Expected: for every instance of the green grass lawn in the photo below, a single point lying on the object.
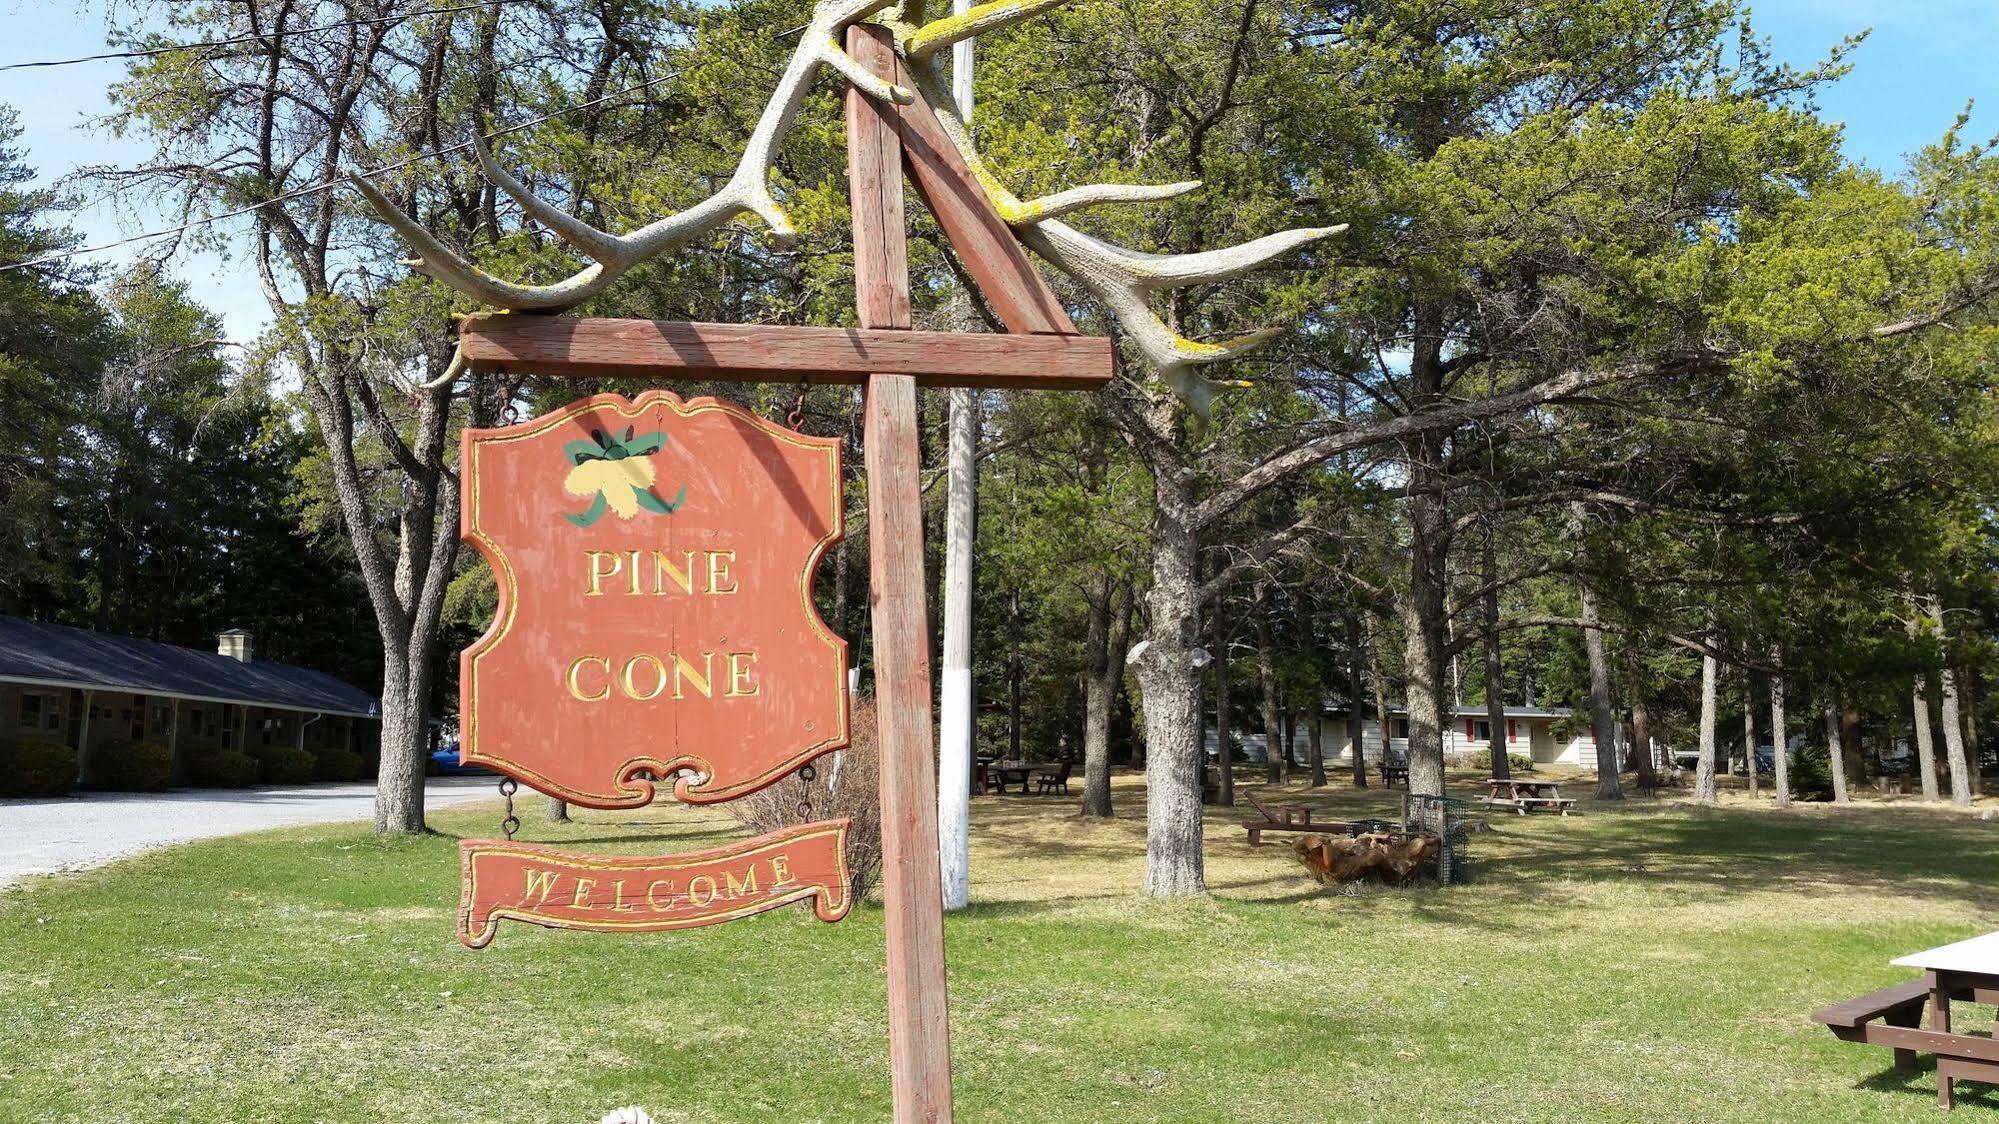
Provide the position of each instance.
(1643, 963)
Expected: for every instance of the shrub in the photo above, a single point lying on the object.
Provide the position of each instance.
(222, 768)
(1811, 773)
(36, 768)
(134, 766)
(848, 783)
(337, 765)
(1521, 762)
(282, 764)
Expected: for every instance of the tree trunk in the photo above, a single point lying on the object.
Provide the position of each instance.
(1603, 719)
(1013, 673)
(1276, 758)
(1641, 739)
(1926, 750)
(1356, 722)
(558, 810)
(1495, 683)
(1313, 708)
(1166, 674)
(1381, 719)
(1967, 705)
(1850, 748)
(1953, 741)
(1422, 613)
(1101, 673)
(954, 716)
(1834, 752)
(1780, 734)
(399, 781)
(1224, 749)
(1704, 787)
(1749, 729)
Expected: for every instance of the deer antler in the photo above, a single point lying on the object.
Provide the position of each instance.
(1119, 278)
(747, 190)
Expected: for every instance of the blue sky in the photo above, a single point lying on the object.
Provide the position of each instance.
(1923, 61)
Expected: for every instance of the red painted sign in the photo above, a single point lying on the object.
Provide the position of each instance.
(634, 893)
(654, 561)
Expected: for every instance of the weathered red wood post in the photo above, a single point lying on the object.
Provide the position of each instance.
(900, 123)
(919, 1025)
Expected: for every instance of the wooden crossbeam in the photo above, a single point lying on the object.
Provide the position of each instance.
(653, 349)
(1004, 273)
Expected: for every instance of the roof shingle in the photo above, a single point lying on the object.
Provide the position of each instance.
(54, 654)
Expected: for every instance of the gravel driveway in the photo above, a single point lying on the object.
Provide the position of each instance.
(78, 832)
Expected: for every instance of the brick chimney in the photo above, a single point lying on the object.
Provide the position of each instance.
(235, 644)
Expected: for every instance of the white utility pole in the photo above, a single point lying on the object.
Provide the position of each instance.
(954, 735)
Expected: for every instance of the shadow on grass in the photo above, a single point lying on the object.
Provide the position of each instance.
(1535, 862)
(1921, 1082)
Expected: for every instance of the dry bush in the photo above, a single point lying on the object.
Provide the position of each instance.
(848, 783)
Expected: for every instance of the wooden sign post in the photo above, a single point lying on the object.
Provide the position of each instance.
(1042, 351)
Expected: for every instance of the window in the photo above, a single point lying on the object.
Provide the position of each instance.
(1481, 731)
(163, 719)
(35, 709)
(1400, 728)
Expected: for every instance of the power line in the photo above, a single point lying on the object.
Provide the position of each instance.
(150, 52)
(299, 193)
(315, 189)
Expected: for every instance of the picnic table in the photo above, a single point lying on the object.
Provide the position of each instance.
(1524, 796)
(1892, 1017)
(997, 775)
(1285, 817)
(1394, 773)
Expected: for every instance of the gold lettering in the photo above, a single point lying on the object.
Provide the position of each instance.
(741, 667)
(541, 883)
(652, 896)
(747, 886)
(618, 898)
(684, 671)
(694, 890)
(718, 571)
(632, 575)
(597, 571)
(663, 571)
(780, 869)
(575, 672)
(581, 899)
(659, 678)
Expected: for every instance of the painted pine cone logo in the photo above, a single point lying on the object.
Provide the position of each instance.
(618, 474)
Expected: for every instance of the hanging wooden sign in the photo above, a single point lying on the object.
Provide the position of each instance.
(562, 889)
(654, 561)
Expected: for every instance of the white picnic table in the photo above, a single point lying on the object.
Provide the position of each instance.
(1894, 1016)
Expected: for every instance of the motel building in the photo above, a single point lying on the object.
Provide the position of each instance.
(88, 689)
(1543, 735)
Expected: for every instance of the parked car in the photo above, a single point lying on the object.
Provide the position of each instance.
(444, 762)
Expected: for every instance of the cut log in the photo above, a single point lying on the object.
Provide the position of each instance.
(1392, 860)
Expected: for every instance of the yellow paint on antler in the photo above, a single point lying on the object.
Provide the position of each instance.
(927, 40)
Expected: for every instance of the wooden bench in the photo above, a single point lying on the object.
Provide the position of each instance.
(1286, 817)
(1893, 1016)
(1898, 1006)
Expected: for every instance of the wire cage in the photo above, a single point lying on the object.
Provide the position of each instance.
(1443, 817)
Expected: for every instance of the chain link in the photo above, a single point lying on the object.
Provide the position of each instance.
(806, 775)
(796, 418)
(512, 822)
